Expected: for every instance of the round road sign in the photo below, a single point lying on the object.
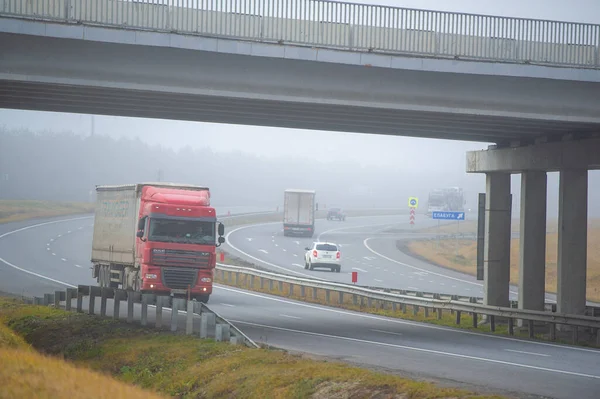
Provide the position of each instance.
(413, 202)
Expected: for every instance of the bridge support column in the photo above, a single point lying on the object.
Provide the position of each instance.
(532, 262)
(572, 241)
(497, 241)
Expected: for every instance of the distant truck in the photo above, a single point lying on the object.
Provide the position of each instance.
(156, 238)
(336, 213)
(451, 199)
(299, 213)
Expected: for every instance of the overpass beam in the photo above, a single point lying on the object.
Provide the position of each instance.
(532, 261)
(496, 260)
(572, 241)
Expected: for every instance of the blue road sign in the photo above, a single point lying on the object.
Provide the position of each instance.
(413, 202)
(448, 215)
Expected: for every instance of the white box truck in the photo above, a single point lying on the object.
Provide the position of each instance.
(299, 213)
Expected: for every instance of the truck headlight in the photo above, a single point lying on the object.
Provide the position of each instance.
(206, 279)
(151, 276)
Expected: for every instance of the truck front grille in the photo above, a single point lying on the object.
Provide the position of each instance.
(179, 278)
(177, 257)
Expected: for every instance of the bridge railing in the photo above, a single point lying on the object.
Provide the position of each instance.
(373, 297)
(340, 25)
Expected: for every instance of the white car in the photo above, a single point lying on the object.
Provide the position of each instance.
(323, 254)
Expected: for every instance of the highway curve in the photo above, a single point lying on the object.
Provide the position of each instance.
(366, 249)
(53, 254)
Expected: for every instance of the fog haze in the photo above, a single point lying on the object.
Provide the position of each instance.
(61, 156)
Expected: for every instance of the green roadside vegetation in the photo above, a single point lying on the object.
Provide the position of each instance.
(19, 210)
(47, 352)
(461, 255)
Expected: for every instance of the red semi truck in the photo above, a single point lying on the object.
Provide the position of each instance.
(156, 238)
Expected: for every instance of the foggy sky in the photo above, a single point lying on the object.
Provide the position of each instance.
(440, 162)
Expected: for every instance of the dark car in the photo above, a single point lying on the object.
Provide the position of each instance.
(336, 213)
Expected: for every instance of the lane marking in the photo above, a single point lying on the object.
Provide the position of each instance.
(295, 255)
(53, 254)
(228, 304)
(379, 281)
(298, 265)
(69, 232)
(7, 263)
(42, 224)
(527, 353)
(63, 259)
(284, 250)
(76, 265)
(290, 317)
(365, 243)
(386, 332)
(352, 314)
(262, 250)
(359, 269)
(422, 350)
(404, 322)
(249, 238)
(413, 288)
(260, 260)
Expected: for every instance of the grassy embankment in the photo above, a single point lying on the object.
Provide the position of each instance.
(19, 210)
(465, 258)
(51, 353)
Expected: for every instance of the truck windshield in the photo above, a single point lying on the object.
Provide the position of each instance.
(436, 200)
(182, 231)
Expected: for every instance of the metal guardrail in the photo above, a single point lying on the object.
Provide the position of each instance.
(340, 25)
(212, 325)
(436, 302)
(593, 311)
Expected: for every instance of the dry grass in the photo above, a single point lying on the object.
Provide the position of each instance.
(15, 211)
(464, 256)
(10, 340)
(185, 367)
(26, 374)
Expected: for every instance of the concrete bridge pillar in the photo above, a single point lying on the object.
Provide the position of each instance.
(572, 156)
(532, 243)
(572, 241)
(496, 261)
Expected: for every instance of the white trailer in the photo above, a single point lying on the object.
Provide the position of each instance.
(299, 212)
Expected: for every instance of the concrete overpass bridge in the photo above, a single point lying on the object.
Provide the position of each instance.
(531, 87)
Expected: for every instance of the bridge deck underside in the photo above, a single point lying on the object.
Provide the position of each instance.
(316, 116)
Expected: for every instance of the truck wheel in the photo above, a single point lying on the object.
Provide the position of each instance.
(203, 298)
(306, 265)
(338, 269)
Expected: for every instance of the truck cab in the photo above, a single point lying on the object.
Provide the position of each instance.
(174, 237)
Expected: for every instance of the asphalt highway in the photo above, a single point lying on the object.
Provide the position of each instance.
(366, 248)
(41, 256)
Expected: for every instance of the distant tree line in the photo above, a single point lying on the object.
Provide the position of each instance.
(65, 166)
